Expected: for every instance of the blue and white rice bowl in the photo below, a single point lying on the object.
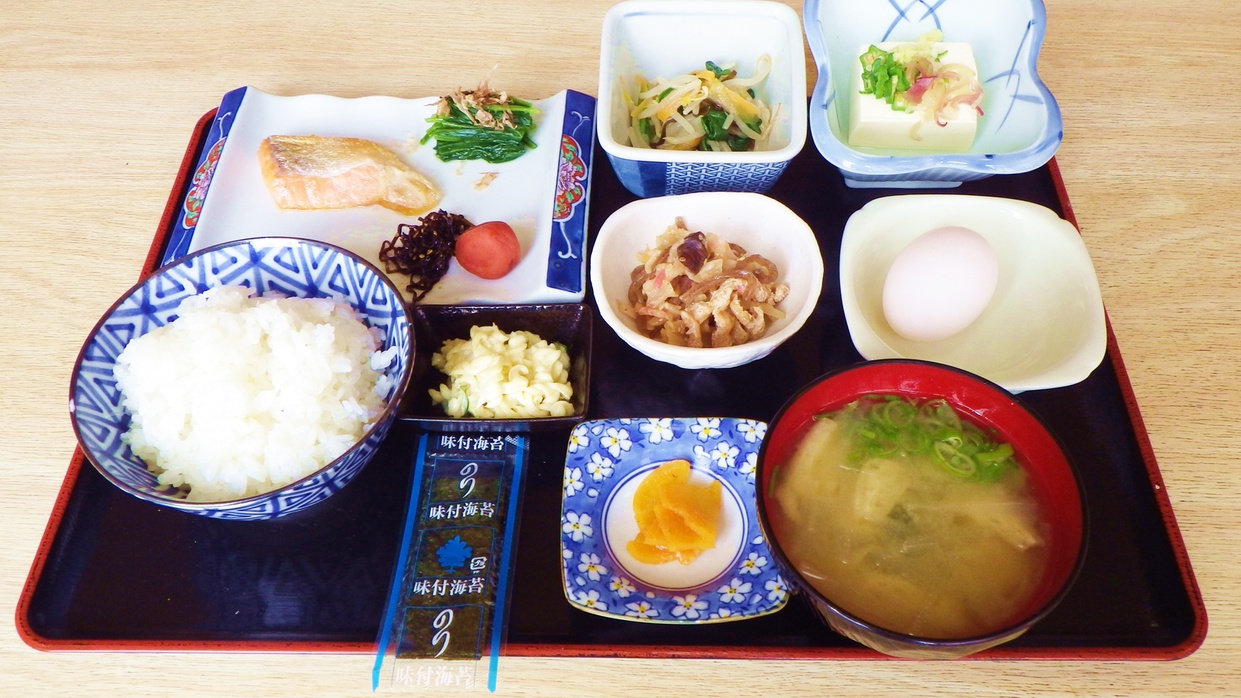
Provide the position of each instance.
(293, 267)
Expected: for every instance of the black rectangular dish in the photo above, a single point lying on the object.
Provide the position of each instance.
(116, 573)
(569, 324)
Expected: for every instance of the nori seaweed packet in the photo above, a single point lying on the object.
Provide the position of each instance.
(447, 611)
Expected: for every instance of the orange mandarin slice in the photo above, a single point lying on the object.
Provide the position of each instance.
(677, 519)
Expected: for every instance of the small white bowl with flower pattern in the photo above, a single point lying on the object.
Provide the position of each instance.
(606, 460)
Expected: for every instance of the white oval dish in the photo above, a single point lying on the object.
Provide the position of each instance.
(1045, 326)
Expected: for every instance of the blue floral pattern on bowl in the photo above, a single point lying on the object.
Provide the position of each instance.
(605, 461)
(287, 265)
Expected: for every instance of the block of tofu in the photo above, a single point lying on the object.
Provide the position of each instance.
(873, 123)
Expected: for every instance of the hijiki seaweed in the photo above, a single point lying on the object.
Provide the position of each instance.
(423, 250)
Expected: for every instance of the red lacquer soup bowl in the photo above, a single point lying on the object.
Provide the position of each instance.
(1052, 477)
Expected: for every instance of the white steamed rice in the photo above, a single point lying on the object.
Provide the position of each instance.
(241, 396)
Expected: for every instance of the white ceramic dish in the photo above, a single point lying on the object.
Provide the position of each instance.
(541, 194)
(606, 460)
(1044, 327)
(1021, 126)
(666, 38)
(756, 222)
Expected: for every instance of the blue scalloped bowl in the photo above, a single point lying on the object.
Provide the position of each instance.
(1020, 129)
(292, 266)
(606, 460)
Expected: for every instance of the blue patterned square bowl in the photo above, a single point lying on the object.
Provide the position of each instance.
(1020, 128)
(293, 267)
(661, 38)
(607, 459)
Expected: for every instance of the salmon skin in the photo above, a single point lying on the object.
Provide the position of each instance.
(325, 172)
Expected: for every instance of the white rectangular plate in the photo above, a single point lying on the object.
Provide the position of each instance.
(542, 194)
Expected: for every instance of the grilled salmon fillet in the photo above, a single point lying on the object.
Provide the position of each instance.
(322, 172)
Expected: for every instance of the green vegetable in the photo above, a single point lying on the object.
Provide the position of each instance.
(891, 425)
(713, 122)
(647, 129)
(738, 142)
(720, 73)
(882, 75)
(502, 134)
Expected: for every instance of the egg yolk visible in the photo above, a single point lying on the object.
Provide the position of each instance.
(677, 519)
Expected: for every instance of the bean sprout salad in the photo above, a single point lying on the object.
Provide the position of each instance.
(714, 109)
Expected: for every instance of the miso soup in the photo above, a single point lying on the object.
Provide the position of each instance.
(911, 518)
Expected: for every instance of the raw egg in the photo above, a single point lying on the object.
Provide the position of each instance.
(940, 283)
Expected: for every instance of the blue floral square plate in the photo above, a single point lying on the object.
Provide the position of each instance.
(606, 460)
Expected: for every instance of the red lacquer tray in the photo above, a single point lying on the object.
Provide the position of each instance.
(116, 573)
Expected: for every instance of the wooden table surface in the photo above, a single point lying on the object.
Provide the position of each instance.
(97, 102)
